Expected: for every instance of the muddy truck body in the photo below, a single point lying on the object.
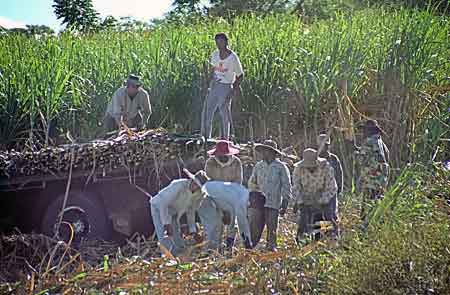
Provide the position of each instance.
(100, 188)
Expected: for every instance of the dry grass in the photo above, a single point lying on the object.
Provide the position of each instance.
(244, 272)
(415, 212)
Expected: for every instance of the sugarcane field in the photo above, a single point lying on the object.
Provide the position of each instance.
(225, 147)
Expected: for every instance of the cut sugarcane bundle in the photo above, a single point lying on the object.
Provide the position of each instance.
(125, 150)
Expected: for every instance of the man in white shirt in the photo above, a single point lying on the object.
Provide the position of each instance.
(226, 77)
(224, 202)
(181, 196)
(130, 104)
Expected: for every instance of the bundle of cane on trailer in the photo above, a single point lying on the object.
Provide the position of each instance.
(125, 150)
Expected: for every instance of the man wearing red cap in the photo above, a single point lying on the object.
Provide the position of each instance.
(224, 165)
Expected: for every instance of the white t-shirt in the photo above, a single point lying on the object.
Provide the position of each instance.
(231, 197)
(226, 70)
(177, 199)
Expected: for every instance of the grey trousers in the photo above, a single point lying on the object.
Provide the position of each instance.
(258, 219)
(308, 215)
(174, 244)
(217, 99)
(211, 218)
(331, 214)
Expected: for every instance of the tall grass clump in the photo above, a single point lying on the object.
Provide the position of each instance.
(406, 249)
(298, 76)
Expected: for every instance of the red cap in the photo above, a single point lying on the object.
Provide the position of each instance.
(223, 148)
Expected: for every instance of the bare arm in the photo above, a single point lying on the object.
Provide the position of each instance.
(212, 74)
(209, 168)
(145, 105)
(190, 216)
(116, 106)
(339, 176)
(386, 153)
(239, 173)
(238, 81)
(286, 187)
(330, 187)
(211, 63)
(239, 72)
(164, 198)
(239, 77)
(253, 181)
(297, 186)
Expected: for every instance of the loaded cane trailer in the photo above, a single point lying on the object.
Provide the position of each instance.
(107, 184)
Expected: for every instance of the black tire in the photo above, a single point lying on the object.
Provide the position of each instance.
(93, 213)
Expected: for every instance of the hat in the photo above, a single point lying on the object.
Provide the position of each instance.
(200, 177)
(372, 126)
(268, 145)
(323, 138)
(310, 159)
(223, 148)
(133, 80)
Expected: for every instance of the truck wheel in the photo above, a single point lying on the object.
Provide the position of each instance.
(84, 213)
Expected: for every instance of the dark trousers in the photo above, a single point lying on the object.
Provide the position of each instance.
(306, 218)
(309, 215)
(259, 218)
(330, 213)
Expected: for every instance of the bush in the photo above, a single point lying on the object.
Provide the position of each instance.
(407, 247)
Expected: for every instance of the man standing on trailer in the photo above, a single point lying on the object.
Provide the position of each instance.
(226, 77)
